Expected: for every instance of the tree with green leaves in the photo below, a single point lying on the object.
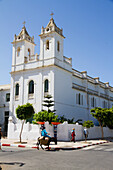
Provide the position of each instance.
(88, 124)
(100, 114)
(23, 113)
(63, 118)
(44, 116)
(109, 118)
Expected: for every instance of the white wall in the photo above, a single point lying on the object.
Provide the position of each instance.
(32, 132)
(23, 78)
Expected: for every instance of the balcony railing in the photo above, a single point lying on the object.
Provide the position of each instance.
(31, 58)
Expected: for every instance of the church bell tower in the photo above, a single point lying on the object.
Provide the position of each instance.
(23, 48)
(51, 42)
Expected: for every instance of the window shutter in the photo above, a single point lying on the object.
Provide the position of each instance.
(106, 105)
(95, 103)
(103, 104)
(91, 102)
(81, 99)
(77, 98)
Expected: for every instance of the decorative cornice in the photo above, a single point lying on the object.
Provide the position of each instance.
(51, 65)
(46, 34)
(14, 42)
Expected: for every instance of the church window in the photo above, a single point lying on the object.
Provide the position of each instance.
(28, 52)
(7, 97)
(93, 102)
(79, 99)
(58, 46)
(104, 104)
(46, 85)
(18, 51)
(47, 45)
(17, 89)
(31, 87)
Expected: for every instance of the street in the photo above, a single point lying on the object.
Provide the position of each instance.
(91, 158)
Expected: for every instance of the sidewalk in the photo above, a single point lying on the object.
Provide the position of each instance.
(59, 146)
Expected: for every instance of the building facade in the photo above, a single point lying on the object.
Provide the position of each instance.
(4, 106)
(33, 76)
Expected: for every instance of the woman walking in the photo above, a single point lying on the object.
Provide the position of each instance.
(73, 135)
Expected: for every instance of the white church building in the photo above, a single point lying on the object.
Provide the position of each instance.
(33, 76)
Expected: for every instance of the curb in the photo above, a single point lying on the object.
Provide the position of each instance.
(76, 148)
(54, 148)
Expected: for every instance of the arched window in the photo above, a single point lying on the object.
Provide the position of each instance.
(17, 89)
(47, 45)
(28, 52)
(46, 85)
(31, 87)
(18, 51)
(58, 46)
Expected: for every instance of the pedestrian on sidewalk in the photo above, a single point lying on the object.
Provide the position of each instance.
(0, 136)
(73, 135)
(86, 133)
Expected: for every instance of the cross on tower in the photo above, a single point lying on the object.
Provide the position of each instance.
(24, 23)
(52, 14)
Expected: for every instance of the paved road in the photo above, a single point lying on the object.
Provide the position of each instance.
(99, 157)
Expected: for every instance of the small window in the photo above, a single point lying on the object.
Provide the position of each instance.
(6, 113)
(58, 46)
(28, 52)
(17, 89)
(47, 29)
(46, 85)
(7, 97)
(79, 99)
(31, 87)
(18, 51)
(47, 45)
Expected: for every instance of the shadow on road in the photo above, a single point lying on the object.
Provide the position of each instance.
(12, 163)
(6, 151)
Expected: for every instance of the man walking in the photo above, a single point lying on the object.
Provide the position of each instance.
(85, 133)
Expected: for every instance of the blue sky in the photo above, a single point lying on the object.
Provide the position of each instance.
(87, 26)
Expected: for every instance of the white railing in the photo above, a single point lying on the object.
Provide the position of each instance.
(102, 84)
(90, 79)
(31, 58)
(67, 60)
(76, 86)
(77, 73)
(93, 92)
